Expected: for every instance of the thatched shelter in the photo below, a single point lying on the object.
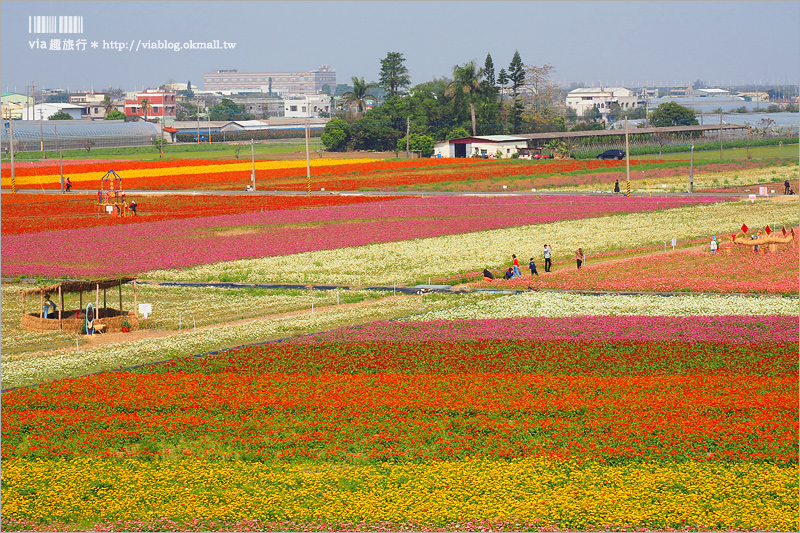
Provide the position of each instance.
(106, 319)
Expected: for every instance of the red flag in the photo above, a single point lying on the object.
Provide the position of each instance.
(768, 229)
(744, 228)
(733, 236)
(784, 231)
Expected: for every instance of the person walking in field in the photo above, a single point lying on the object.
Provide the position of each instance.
(547, 263)
(515, 264)
(714, 244)
(579, 257)
(786, 187)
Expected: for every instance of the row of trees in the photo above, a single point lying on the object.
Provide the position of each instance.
(475, 100)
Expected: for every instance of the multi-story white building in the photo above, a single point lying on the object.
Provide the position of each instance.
(587, 97)
(310, 106)
(283, 84)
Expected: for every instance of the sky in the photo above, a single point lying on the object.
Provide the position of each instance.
(598, 43)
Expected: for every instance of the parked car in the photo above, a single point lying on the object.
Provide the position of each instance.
(612, 154)
(542, 156)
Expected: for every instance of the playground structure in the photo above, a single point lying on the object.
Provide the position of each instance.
(90, 319)
(111, 195)
(765, 243)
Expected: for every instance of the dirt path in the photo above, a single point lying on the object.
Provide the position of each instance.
(96, 341)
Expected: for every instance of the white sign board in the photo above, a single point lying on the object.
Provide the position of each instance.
(145, 309)
(109, 209)
(762, 191)
(674, 242)
(752, 198)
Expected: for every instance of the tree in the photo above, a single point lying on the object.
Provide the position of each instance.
(60, 115)
(59, 98)
(672, 114)
(336, 135)
(87, 144)
(227, 109)
(516, 76)
(417, 143)
(359, 96)
(115, 114)
(502, 81)
(189, 85)
(591, 114)
(326, 89)
(457, 133)
(146, 107)
(372, 132)
(394, 74)
(108, 105)
(467, 81)
(490, 108)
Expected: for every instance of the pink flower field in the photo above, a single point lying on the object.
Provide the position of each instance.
(131, 249)
(731, 270)
(599, 328)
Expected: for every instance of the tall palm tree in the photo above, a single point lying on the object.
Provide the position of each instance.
(467, 80)
(146, 107)
(108, 104)
(359, 96)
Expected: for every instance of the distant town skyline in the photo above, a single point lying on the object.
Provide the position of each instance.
(135, 45)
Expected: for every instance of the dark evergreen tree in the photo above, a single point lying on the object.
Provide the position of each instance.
(516, 76)
(394, 74)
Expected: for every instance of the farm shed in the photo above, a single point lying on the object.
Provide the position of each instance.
(482, 146)
(106, 318)
(78, 134)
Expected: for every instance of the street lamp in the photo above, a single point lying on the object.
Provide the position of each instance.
(691, 170)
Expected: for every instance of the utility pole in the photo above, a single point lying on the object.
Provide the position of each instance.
(627, 158)
(11, 151)
(253, 160)
(691, 171)
(61, 168)
(308, 163)
(408, 130)
(720, 136)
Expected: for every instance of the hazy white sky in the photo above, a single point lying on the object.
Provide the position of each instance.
(601, 43)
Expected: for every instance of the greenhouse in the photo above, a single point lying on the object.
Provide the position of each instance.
(30, 136)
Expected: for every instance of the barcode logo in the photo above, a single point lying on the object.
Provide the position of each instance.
(55, 24)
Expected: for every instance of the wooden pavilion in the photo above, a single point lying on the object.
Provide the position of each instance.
(106, 319)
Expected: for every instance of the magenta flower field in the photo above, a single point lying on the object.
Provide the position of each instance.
(734, 329)
(131, 249)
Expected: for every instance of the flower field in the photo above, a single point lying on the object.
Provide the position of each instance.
(352, 174)
(732, 270)
(414, 261)
(32, 213)
(499, 425)
(206, 240)
(253, 409)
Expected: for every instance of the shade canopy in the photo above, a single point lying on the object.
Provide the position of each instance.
(78, 286)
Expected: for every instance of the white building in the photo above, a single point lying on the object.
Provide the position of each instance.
(483, 146)
(587, 97)
(310, 106)
(44, 111)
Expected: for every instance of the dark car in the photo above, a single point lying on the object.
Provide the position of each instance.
(612, 154)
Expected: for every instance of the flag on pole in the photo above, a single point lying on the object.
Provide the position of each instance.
(784, 231)
(768, 229)
(744, 228)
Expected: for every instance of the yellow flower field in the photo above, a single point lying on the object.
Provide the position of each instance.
(50, 177)
(693, 494)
